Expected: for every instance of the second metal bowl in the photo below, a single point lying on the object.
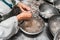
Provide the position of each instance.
(47, 10)
(54, 24)
(57, 35)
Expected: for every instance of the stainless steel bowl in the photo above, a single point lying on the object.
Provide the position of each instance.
(54, 24)
(52, 1)
(33, 33)
(57, 35)
(47, 10)
(57, 4)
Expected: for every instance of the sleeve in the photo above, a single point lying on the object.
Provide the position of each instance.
(15, 2)
(8, 28)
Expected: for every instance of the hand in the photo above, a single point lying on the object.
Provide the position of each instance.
(23, 7)
(24, 16)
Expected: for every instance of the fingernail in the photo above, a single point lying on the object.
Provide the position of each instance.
(28, 8)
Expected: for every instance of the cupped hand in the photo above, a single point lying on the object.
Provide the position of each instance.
(24, 16)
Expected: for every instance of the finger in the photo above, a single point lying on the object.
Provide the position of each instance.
(25, 6)
(19, 5)
(21, 9)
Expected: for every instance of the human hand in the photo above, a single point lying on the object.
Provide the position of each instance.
(24, 16)
(23, 7)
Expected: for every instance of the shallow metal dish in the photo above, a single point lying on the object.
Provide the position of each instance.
(41, 29)
(54, 24)
(47, 10)
(57, 35)
(57, 4)
(52, 1)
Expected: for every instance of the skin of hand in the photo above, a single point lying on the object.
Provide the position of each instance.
(23, 7)
(26, 14)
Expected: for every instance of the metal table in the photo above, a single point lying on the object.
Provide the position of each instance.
(21, 36)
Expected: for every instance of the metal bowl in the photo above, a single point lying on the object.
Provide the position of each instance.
(57, 4)
(23, 27)
(52, 1)
(57, 35)
(47, 10)
(54, 24)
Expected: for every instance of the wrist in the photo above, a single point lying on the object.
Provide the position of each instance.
(19, 18)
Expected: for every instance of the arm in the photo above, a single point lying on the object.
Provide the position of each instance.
(10, 27)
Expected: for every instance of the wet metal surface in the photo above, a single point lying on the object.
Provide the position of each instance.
(21, 36)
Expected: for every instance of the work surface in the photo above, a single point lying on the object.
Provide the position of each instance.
(21, 36)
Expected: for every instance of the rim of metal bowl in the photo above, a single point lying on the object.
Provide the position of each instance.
(51, 1)
(52, 32)
(55, 37)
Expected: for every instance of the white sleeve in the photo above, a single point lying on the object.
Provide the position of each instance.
(17, 1)
(8, 28)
